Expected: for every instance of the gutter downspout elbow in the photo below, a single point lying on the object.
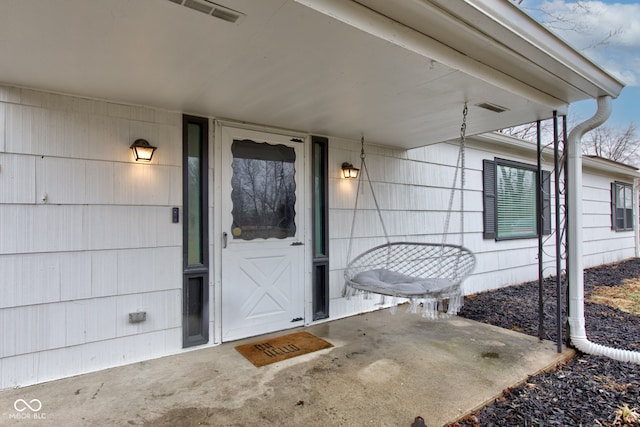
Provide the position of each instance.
(575, 267)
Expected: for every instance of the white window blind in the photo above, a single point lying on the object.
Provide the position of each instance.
(516, 202)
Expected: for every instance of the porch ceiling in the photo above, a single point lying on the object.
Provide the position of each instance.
(330, 67)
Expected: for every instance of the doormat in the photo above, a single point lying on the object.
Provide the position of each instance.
(276, 349)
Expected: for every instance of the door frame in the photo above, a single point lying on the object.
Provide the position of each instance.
(215, 157)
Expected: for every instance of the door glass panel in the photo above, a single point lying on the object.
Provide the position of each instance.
(195, 305)
(263, 190)
(194, 193)
(319, 183)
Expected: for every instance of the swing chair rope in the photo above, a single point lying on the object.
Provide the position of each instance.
(426, 272)
(364, 171)
(460, 166)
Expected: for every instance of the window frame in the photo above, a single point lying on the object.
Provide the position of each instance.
(320, 219)
(490, 199)
(195, 286)
(626, 218)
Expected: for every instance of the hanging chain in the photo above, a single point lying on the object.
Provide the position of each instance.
(463, 128)
(460, 165)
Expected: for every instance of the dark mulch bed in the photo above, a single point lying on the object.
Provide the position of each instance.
(587, 390)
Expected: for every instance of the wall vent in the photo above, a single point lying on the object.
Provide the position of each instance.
(492, 107)
(212, 9)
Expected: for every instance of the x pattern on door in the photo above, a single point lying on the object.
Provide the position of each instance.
(268, 275)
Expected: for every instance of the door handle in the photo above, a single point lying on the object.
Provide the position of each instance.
(297, 244)
(224, 239)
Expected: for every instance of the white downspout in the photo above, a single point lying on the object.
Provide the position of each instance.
(575, 268)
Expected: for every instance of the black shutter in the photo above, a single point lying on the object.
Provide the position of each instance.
(546, 202)
(489, 198)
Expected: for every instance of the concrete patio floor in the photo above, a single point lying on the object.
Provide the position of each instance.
(384, 370)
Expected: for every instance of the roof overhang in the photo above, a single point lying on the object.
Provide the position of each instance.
(398, 72)
(506, 143)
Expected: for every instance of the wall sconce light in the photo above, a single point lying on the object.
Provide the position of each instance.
(348, 171)
(142, 150)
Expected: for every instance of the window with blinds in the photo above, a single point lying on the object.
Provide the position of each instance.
(515, 202)
(511, 196)
(621, 206)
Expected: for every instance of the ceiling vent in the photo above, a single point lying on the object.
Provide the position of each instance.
(492, 107)
(212, 9)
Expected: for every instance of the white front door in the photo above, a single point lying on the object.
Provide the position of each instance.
(262, 228)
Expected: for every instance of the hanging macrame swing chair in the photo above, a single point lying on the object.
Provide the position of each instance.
(428, 274)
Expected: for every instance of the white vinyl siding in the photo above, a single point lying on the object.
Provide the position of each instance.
(601, 243)
(86, 235)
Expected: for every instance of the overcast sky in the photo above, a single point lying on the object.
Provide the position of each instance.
(607, 32)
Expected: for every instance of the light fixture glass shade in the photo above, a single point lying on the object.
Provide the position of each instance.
(348, 171)
(142, 150)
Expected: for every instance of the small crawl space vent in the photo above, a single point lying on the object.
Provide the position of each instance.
(212, 9)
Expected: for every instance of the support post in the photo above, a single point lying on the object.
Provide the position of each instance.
(540, 225)
(556, 171)
(567, 225)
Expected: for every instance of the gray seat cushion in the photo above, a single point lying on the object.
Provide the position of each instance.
(388, 282)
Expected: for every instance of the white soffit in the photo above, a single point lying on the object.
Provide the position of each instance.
(282, 64)
(389, 29)
(491, 40)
